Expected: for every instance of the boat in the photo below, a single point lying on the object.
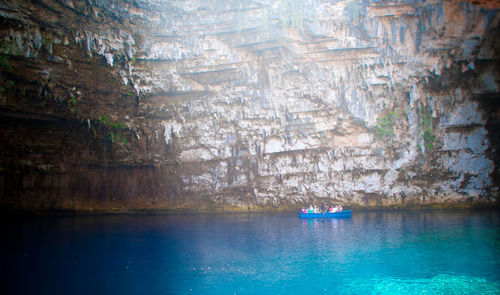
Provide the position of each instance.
(341, 214)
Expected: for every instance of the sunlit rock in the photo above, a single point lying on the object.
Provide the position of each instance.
(240, 105)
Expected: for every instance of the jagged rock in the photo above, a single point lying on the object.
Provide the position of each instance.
(248, 105)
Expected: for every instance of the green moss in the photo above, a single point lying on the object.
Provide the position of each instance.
(72, 104)
(429, 140)
(115, 130)
(4, 62)
(385, 125)
(425, 122)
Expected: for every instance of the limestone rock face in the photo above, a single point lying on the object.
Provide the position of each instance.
(248, 105)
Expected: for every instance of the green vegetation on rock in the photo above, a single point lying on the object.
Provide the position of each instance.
(4, 58)
(4, 62)
(72, 104)
(425, 122)
(115, 130)
(385, 125)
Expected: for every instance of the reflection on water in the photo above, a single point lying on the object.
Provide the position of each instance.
(332, 223)
(372, 252)
(439, 284)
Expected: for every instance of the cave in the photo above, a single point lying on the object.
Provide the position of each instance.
(249, 147)
(225, 105)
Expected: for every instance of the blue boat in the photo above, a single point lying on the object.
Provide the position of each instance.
(341, 214)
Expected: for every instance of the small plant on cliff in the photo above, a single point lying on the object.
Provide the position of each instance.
(426, 125)
(4, 58)
(115, 130)
(429, 140)
(72, 103)
(10, 84)
(385, 125)
(4, 62)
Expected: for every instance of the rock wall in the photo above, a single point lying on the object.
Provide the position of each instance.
(248, 105)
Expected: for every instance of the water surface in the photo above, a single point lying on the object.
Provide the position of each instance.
(434, 252)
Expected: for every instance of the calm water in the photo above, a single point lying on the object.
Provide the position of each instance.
(433, 252)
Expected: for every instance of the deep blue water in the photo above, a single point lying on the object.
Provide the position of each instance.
(433, 252)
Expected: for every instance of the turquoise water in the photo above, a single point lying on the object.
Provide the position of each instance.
(422, 252)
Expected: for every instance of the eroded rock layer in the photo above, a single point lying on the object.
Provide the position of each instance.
(248, 105)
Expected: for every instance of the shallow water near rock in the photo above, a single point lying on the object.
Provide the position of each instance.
(409, 252)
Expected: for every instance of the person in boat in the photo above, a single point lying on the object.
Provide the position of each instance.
(332, 209)
(340, 208)
(310, 209)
